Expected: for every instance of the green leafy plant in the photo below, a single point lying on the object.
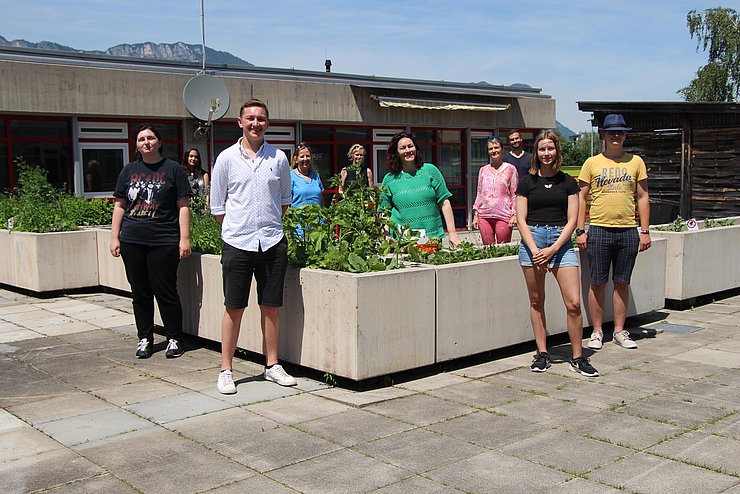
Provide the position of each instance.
(37, 206)
(710, 223)
(348, 235)
(677, 225)
(465, 251)
(205, 232)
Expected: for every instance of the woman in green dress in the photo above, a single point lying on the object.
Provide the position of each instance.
(414, 192)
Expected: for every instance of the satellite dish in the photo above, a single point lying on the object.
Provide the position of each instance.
(206, 98)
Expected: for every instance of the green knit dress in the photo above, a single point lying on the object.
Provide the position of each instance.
(415, 198)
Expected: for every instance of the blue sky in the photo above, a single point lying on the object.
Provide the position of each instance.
(598, 50)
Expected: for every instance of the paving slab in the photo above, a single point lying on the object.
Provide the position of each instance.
(546, 411)
(402, 450)
(716, 357)
(106, 483)
(18, 335)
(344, 428)
(93, 426)
(699, 448)
(45, 470)
(479, 394)
(583, 454)
(708, 392)
(60, 407)
(24, 442)
(138, 391)
(623, 430)
(256, 483)
(231, 424)
(432, 382)
(532, 382)
(486, 429)
(9, 422)
(672, 366)
(634, 378)
(416, 484)
(493, 367)
(297, 408)
(361, 399)
(672, 409)
(340, 472)
(598, 394)
(150, 459)
(650, 474)
(493, 471)
(579, 486)
(274, 448)
(727, 427)
(176, 407)
(420, 409)
(36, 388)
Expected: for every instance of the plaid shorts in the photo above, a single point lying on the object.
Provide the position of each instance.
(614, 248)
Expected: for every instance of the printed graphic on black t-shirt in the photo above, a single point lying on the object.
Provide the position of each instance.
(143, 190)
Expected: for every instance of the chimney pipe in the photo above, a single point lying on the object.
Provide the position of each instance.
(327, 64)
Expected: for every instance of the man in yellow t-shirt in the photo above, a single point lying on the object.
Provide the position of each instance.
(612, 178)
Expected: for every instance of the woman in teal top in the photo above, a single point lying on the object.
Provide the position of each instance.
(415, 191)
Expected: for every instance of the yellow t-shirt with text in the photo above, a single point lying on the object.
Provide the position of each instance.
(613, 186)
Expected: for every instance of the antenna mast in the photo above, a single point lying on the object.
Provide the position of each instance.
(203, 35)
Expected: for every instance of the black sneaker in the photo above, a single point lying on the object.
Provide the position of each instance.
(174, 349)
(583, 367)
(145, 348)
(540, 362)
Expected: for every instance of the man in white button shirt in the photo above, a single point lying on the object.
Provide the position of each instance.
(250, 191)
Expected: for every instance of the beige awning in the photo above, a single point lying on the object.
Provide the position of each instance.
(433, 104)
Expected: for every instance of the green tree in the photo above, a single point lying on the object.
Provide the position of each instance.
(718, 31)
(576, 152)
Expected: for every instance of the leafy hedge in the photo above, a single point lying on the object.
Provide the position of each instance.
(39, 207)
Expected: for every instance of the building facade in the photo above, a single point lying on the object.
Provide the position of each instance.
(74, 114)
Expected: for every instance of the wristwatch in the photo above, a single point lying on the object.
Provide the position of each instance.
(644, 232)
(580, 231)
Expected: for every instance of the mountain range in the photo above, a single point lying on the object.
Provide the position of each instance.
(182, 52)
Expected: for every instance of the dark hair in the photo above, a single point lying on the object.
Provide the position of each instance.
(298, 148)
(254, 102)
(514, 131)
(186, 161)
(546, 134)
(143, 127)
(394, 164)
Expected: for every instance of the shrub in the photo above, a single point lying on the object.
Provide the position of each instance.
(38, 207)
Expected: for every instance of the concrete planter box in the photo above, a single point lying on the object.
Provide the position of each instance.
(111, 271)
(43, 262)
(483, 305)
(701, 262)
(352, 325)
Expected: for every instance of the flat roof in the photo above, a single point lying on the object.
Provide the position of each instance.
(96, 60)
(658, 106)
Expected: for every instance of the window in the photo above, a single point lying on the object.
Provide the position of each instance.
(101, 164)
(45, 142)
(102, 130)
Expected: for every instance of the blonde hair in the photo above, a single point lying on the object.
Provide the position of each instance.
(544, 135)
(294, 160)
(353, 149)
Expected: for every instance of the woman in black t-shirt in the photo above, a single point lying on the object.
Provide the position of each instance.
(151, 232)
(547, 211)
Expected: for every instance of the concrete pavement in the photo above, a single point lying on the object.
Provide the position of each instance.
(78, 413)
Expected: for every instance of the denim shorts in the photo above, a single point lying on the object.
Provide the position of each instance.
(545, 236)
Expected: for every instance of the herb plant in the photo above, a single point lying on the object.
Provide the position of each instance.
(710, 223)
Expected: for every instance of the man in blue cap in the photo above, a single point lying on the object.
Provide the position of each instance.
(613, 177)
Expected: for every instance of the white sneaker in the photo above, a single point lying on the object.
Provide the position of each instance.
(225, 384)
(596, 341)
(278, 375)
(622, 338)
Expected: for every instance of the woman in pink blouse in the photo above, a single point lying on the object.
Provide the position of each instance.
(495, 204)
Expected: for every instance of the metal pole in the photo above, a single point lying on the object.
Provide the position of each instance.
(203, 34)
